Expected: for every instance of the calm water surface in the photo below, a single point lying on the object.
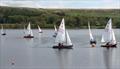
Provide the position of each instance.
(37, 53)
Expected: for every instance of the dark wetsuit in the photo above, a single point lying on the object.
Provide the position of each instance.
(60, 44)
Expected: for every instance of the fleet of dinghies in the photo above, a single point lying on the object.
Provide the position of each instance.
(62, 38)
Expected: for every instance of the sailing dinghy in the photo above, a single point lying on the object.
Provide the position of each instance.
(108, 37)
(62, 40)
(55, 34)
(40, 31)
(29, 33)
(92, 40)
(2, 31)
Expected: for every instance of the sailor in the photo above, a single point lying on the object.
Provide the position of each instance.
(59, 44)
(108, 43)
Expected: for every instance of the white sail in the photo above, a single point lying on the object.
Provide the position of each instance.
(29, 31)
(62, 35)
(109, 35)
(68, 40)
(55, 33)
(39, 29)
(60, 38)
(108, 30)
(90, 33)
(113, 40)
(55, 28)
(102, 40)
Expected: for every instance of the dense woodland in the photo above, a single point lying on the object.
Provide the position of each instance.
(12, 17)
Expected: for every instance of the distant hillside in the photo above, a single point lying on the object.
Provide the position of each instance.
(74, 18)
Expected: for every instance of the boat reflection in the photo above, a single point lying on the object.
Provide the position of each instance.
(64, 58)
(107, 54)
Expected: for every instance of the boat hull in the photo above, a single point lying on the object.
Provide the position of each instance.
(63, 47)
(109, 46)
(4, 34)
(54, 35)
(40, 32)
(28, 36)
(93, 42)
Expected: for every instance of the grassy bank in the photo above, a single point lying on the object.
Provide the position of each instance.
(46, 18)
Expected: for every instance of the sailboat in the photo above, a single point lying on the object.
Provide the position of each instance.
(2, 31)
(63, 39)
(92, 40)
(40, 31)
(29, 33)
(109, 36)
(55, 34)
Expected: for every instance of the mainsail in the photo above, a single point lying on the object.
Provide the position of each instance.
(60, 38)
(39, 29)
(2, 30)
(62, 35)
(102, 40)
(109, 35)
(68, 40)
(55, 28)
(90, 33)
(29, 31)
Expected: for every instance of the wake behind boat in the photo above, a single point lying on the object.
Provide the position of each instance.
(108, 37)
(62, 40)
(92, 40)
(29, 33)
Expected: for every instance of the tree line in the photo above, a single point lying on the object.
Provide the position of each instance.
(13, 17)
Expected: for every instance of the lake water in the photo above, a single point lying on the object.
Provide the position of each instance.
(37, 53)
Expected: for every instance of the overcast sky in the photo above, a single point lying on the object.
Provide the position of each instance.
(77, 4)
